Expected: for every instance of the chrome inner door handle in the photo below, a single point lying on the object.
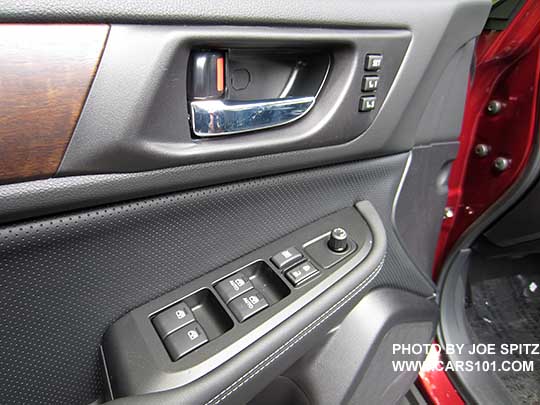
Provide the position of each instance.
(227, 117)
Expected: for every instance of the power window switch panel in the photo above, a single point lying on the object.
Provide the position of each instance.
(185, 340)
(373, 62)
(247, 305)
(287, 258)
(233, 286)
(367, 103)
(172, 319)
(301, 273)
(370, 83)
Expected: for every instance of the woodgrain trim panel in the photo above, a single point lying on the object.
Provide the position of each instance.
(45, 75)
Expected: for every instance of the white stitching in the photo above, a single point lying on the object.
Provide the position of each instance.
(295, 339)
(299, 336)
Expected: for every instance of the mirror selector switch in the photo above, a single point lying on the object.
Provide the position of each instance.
(287, 258)
(185, 340)
(233, 286)
(301, 273)
(338, 241)
(248, 304)
(172, 319)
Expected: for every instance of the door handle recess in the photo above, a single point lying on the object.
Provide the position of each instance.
(237, 90)
(227, 117)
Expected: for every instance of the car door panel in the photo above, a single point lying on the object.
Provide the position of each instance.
(140, 209)
(101, 263)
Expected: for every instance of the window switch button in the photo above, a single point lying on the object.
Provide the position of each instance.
(301, 273)
(287, 258)
(248, 304)
(185, 340)
(233, 286)
(172, 319)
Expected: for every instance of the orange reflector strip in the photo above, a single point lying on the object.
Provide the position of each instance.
(220, 75)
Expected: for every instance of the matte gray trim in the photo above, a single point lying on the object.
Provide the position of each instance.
(281, 391)
(443, 116)
(348, 354)
(136, 118)
(281, 12)
(419, 203)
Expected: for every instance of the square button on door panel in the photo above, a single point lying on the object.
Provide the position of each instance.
(287, 258)
(370, 83)
(373, 62)
(367, 103)
(248, 304)
(301, 273)
(233, 286)
(172, 319)
(185, 340)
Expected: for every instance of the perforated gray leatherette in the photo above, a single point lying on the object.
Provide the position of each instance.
(66, 279)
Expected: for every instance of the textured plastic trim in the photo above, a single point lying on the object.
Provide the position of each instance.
(159, 373)
(139, 121)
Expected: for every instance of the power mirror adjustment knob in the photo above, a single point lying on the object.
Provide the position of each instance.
(338, 241)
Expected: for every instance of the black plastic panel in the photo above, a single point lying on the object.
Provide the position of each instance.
(266, 281)
(277, 349)
(520, 224)
(209, 313)
(156, 371)
(255, 74)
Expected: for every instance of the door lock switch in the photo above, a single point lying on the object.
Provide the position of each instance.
(172, 319)
(301, 273)
(233, 286)
(185, 340)
(287, 258)
(247, 305)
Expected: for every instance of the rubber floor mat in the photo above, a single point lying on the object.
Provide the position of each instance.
(504, 308)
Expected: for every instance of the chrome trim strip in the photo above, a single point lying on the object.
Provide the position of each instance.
(290, 82)
(224, 117)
